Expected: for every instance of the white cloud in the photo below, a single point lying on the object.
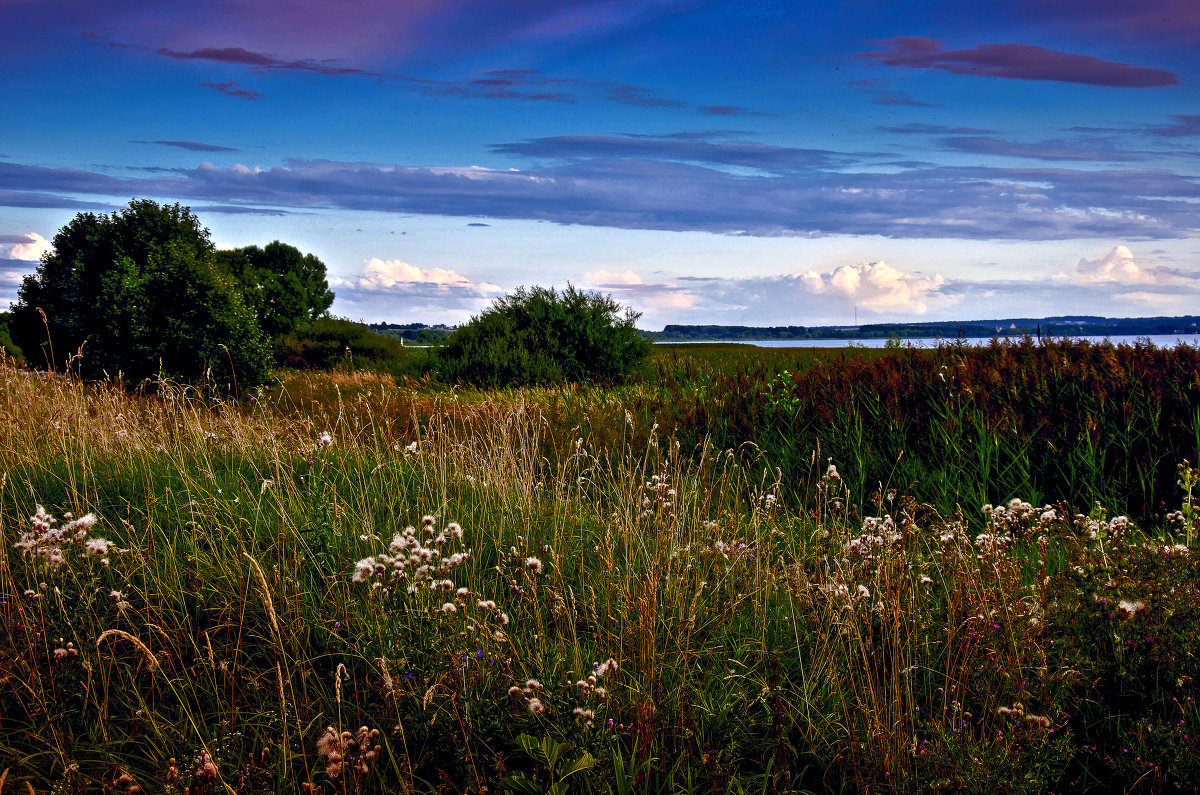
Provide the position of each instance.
(1119, 266)
(29, 247)
(655, 301)
(874, 285)
(391, 274)
(396, 291)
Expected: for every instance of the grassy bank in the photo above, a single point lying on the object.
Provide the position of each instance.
(701, 606)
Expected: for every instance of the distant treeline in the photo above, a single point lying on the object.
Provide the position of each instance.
(413, 332)
(1062, 326)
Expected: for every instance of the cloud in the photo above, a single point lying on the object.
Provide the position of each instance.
(812, 297)
(392, 288)
(387, 274)
(1019, 62)
(1185, 126)
(917, 128)
(1162, 21)
(729, 110)
(876, 286)
(652, 299)
(12, 273)
(27, 248)
(680, 147)
(258, 60)
(191, 146)
(231, 89)
(783, 198)
(1042, 150)
(1119, 267)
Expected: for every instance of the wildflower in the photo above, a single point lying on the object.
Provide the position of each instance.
(1130, 609)
(363, 570)
(863, 592)
(97, 546)
(449, 608)
(533, 564)
(536, 707)
(603, 668)
(329, 742)
(324, 440)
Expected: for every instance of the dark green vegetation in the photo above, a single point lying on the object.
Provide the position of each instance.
(542, 336)
(329, 342)
(138, 292)
(955, 425)
(772, 625)
(282, 286)
(142, 292)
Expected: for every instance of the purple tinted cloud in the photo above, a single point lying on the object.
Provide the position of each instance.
(738, 153)
(191, 146)
(918, 128)
(243, 57)
(1185, 126)
(1019, 62)
(231, 89)
(729, 110)
(1043, 150)
(1166, 21)
(628, 193)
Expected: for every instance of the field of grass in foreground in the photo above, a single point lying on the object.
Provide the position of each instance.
(234, 604)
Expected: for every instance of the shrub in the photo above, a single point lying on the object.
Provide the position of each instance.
(328, 341)
(138, 292)
(541, 336)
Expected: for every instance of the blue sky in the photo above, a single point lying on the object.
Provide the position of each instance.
(759, 162)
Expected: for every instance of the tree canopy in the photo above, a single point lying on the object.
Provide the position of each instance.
(138, 291)
(540, 335)
(283, 286)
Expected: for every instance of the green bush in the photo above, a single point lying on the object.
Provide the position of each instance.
(328, 341)
(138, 292)
(542, 336)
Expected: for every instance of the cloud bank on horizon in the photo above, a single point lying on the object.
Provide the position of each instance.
(702, 161)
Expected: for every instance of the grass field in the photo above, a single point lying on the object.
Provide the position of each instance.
(746, 570)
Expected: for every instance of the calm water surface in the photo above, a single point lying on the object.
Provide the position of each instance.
(1158, 340)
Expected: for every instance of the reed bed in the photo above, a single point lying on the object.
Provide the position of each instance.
(349, 583)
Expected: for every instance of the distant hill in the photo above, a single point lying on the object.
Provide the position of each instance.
(1059, 326)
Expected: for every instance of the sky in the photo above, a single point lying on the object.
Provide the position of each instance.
(758, 162)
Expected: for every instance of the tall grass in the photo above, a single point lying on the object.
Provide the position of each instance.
(623, 610)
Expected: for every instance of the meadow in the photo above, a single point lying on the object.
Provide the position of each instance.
(745, 570)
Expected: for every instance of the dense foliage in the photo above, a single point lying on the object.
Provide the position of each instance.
(542, 336)
(138, 292)
(282, 285)
(955, 425)
(326, 342)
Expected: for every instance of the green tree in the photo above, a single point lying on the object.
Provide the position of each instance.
(540, 335)
(138, 291)
(283, 286)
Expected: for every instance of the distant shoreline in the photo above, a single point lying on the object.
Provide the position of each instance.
(1076, 326)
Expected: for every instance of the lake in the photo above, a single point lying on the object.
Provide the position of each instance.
(1158, 340)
